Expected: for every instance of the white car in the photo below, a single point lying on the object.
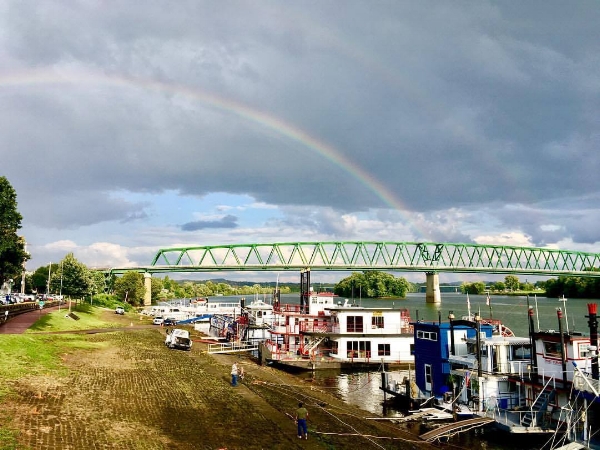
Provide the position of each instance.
(158, 320)
(120, 310)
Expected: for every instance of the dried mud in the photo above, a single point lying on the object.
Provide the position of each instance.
(133, 393)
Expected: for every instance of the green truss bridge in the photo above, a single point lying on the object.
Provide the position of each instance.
(429, 257)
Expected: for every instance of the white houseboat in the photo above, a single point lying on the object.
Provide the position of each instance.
(323, 333)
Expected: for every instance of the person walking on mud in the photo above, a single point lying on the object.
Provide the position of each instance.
(234, 374)
(301, 418)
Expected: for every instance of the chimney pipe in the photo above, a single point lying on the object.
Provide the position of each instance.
(563, 352)
(593, 324)
(532, 352)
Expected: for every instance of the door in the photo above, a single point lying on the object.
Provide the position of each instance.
(428, 380)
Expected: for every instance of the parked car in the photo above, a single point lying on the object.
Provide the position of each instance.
(120, 310)
(158, 320)
(169, 321)
(178, 339)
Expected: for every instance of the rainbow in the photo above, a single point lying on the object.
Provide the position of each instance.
(326, 151)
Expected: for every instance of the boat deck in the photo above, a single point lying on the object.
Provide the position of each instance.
(510, 421)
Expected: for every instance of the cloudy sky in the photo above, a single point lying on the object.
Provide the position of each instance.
(127, 127)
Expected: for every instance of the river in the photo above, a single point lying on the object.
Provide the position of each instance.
(362, 388)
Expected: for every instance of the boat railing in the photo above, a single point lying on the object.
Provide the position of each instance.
(582, 381)
(508, 417)
(317, 326)
(289, 308)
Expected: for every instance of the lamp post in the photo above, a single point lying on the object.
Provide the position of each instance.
(48, 284)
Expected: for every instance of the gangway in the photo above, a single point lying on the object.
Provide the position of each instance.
(455, 427)
(232, 347)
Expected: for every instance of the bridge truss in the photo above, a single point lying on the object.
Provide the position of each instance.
(384, 256)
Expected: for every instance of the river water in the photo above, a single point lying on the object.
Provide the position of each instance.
(362, 388)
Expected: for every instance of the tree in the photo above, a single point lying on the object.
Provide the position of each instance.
(39, 279)
(477, 287)
(130, 288)
(156, 289)
(372, 284)
(498, 286)
(77, 279)
(512, 282)
(12, 246)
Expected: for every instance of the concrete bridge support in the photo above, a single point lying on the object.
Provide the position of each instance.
(147, 289)
(432, 291)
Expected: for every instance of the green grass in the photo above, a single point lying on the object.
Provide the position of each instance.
(34, 353)
(8, 439)
(59, 321)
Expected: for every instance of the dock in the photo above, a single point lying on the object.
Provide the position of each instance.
(455, 427)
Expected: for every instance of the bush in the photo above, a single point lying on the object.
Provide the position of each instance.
(109, 301)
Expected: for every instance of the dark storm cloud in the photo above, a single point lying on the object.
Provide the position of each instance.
(228, 221)
(427, 106)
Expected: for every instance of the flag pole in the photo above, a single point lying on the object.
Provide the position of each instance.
(469, 307)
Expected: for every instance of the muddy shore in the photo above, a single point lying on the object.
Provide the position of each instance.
(131, 392)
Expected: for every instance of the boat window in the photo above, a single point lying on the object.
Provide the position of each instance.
(428, 335)
(552, 349)
(383, 350)
(358, 349)
(520, 352)
(377, 322)
(354, 324)
(584, 350)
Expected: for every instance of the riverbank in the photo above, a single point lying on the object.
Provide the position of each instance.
(123, 389)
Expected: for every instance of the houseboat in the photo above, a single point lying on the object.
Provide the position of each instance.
(252, 325)
(322, 332)
(538, 384)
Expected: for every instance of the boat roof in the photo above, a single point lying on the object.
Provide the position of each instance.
(496, 339)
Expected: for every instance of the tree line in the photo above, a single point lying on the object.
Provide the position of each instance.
(511, 283)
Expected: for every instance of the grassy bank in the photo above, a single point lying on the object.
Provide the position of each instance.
(35, 354)
(123, 389)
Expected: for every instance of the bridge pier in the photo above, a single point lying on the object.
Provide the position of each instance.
(147, 289)
(432, 291)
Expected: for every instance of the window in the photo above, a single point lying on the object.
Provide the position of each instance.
(358, 349)
(377, 322)
(428, 335)
(521, 352)
(584, 350)
(552, 349)
(383, 350)
(354, 324)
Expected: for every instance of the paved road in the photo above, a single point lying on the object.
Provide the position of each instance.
(18, 324)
